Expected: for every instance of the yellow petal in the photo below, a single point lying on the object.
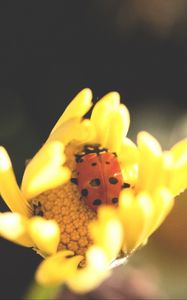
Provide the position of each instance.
(163, 202)
(45, 234)
(77, 108)
(87, 132)
(129, 153)
(148, 143)
(130, 174)
(129, 158)
(150, 161)
(73, 129)
(179, 153)
(97, 258)
(165, 172)
(107, 232)
(178, 175)
(58, 268)
(96, 270)
(117, 128)
(102, 114)
(135, 213)
(9, 189)
(13, 227)
(178, 181)
(45, 170)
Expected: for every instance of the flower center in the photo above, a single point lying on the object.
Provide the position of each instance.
(63, 204)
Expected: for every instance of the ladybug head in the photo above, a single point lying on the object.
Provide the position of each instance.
(94, 148)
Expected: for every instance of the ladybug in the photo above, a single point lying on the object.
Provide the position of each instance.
(99, 176)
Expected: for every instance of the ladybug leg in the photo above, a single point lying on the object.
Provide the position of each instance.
(125, 185)
(114, 154)
(78, 158)
(74, 181)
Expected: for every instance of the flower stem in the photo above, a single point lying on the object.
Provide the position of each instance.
(40, 292)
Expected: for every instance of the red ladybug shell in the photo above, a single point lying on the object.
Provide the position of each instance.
(99, 179)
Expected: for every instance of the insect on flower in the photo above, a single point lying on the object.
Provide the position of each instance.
(90, 196)
(99, 176)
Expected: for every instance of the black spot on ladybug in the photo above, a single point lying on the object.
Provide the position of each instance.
(94, 164)
(84, 192)
(113, 180)
(97, 202)
(95, 182)
(74, 180)
(114, 200)
(125, 185)
(107, 162)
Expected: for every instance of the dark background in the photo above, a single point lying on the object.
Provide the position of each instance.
(50, 50)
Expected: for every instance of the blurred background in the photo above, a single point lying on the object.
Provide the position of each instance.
(49, 51)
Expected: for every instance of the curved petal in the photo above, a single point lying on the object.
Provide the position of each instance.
(93, 274)
(136, 215)
(130, 174)
(178, 175)
(73, 129)
(102, 114)
(45, 170)
(57, 268)
(178, 182)
(107, 232)
(163, 202)
(45, 234)
(179, 153)
(77, 108)
(13, 227)
(150, 161)
(9, 189)
(129, 153)
(62, 267)
(129, 159)
(117, 128)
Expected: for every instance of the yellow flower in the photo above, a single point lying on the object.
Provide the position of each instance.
(81, 245)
